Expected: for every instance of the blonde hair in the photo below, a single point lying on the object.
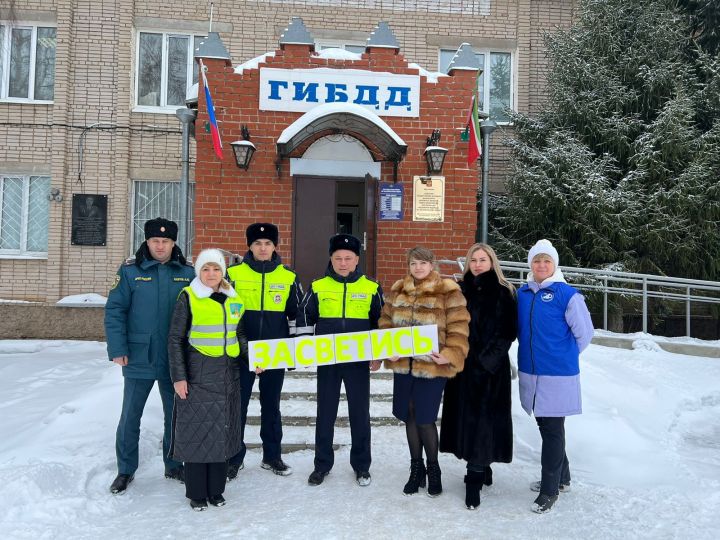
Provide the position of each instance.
(224, 283)
(494, 261)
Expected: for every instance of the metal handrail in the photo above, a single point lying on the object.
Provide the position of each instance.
(689, 287)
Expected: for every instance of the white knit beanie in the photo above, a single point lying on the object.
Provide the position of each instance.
(543, 247)
(206, 256)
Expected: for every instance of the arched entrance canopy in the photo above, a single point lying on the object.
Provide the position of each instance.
(343, 118)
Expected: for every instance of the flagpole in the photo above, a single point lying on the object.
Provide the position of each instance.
(486, 128)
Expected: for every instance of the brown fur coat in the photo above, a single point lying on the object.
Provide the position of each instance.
(434, 300)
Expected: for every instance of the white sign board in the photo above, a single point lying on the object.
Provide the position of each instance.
(306, 351)
(300, 90)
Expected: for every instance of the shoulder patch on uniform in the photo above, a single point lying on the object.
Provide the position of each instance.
(115, 282)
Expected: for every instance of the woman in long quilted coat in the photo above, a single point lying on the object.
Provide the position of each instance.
(205, 345)
(477, 418)
(423, 297)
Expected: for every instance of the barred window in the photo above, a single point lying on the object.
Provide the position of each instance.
(24, 212)
(27, 62)
(496, 82)
(153, 199)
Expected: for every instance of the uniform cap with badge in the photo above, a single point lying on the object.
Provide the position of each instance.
(344, 241)
(262, 231)
(161, 228)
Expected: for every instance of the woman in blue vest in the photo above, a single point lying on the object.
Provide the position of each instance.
(205, 345)
(554, 327)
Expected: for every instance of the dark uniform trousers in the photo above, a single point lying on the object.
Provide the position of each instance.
(553, 459)
(135, 395)
(271, 383)
(203, 480)
(356, 377)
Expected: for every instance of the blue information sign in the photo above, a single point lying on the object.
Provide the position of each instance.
(391, 202)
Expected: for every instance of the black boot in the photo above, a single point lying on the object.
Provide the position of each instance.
(417, 477)
(487, 479)
(473, 485)
(434, 479)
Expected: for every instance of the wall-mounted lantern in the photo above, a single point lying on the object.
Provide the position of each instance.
(243, 149)
(434, 154)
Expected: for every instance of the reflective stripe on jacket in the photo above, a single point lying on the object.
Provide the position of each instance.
(213, 328)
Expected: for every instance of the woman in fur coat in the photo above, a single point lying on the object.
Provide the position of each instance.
(423, 297)
(477, 421)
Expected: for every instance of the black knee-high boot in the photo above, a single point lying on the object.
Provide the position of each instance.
(473, 485)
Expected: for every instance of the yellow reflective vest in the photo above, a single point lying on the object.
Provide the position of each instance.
(213, 330)
(262, 292)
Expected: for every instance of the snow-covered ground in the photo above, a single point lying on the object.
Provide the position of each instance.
(645, 459)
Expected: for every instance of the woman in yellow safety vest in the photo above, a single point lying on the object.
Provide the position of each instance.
(205, 345)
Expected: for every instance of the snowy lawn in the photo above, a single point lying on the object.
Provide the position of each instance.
(645, 459)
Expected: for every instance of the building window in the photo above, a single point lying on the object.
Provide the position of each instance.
(27, 62)
(353, 47)
(153, 199)
(24, 210)
(165, 70)
(496, 83)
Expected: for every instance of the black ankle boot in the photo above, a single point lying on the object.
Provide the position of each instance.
(434, 479)
(473, 485)
(417, 477)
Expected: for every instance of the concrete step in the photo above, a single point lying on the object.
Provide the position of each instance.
(297, 438)
(311, 373)
(309, 421)
(312, 396)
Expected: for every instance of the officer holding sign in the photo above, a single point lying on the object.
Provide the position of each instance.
(343, 301)
(271, 293)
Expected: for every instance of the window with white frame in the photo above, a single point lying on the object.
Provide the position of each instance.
(496, 82)
(165, 69)
(27, 62)
(24, 212)
(153, 199)
(350, 46)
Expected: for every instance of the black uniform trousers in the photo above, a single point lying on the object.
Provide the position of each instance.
(271, 383)
(203, 480)
(356, 377)
(554, 461)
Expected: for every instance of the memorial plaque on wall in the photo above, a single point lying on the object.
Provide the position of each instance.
(428, 198)
(89, 220)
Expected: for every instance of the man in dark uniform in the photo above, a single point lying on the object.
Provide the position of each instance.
(271, 293)
(137, 318)
(343, 301)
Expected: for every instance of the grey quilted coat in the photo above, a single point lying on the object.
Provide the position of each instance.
(206, 425)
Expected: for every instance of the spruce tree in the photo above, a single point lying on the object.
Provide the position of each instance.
(623, 163)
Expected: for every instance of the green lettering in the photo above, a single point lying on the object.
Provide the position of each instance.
(421, 344)
(259, 354)
(283, 355)
(398, 335)
(324, 350)
(300, 345)
(381, 344)
(341, 348)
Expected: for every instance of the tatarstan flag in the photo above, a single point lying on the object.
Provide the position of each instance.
(473, 125)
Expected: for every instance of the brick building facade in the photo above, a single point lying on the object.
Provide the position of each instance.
(86, 114)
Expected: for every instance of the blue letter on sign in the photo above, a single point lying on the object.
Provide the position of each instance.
(305, 93)
(275, 88)
(336, 93)
(372, 95)
(404, 97)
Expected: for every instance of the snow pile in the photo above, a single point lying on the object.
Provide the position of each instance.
(432, 76)
(335, 53)
(253, 63)
(644, 459)
(82, 300)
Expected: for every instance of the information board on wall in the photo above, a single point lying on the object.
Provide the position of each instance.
(429, 198)
(391, 202)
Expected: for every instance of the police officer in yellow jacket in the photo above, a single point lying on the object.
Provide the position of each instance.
(344, 300)
(271, 293)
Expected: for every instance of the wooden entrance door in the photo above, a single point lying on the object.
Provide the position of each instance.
(324, 206)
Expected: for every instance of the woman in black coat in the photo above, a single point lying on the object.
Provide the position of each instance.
(206, 343)
(476, 418)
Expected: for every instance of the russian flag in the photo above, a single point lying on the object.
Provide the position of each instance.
(217, 143)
